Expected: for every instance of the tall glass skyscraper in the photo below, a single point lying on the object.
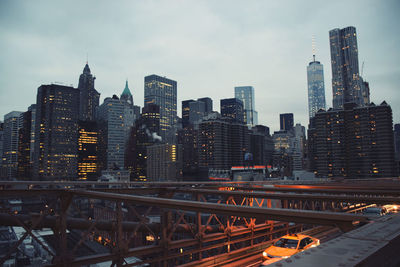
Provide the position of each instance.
(346, 82)
(246, 94)
(162, 92)
(316, 87)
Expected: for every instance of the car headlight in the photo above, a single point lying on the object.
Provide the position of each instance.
(285, 257)
(265, 254)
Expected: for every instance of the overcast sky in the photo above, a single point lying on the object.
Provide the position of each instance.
(208, 47)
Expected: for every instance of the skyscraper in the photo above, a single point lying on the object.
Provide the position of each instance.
(112, 131)
(232, 108)
(56, 132)
(89, 97)
(346, 83)
(286, 121)
(246, 95)
(208, 104)
(88, 142)
(129, 116)
(12, 124)
(316, 87)
(162, 92)
(185, 112)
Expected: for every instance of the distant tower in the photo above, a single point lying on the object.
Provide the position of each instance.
(232, 108)
(286, 121)
(246, 94)
(162, 92)
(89, 97)
(346, 82)
(12, 125)
(316, 87)
(129, 116)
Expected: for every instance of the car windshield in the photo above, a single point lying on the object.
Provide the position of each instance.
(286, 243)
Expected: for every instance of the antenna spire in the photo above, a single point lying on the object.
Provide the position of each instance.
(87, 58)
(314, 47)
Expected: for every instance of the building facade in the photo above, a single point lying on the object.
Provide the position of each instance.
(129, 113)
(356, 142)
(162, 92)
(246, 95)
(232, 108)
(164, 162)
(112, 133)
(12, 125)
(89, 97)
(286, 121)
(24, 147)
(56, 134)
(346, 83)
(316, 87)
(88, 143)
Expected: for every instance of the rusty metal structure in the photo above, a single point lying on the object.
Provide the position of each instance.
(170, 224)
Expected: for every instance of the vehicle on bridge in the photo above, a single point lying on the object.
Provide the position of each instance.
(287, 246)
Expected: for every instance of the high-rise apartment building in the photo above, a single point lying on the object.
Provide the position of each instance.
(12, 124)
(356, 142)
(56, 133)
(89, 97)
(286, 121)
(112, 133)
(24, 147)
(162, 92)
(316, 87)
(232, 108)
(246, 95)
(346, 83)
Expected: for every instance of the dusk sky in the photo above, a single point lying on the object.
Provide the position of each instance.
(208, 47)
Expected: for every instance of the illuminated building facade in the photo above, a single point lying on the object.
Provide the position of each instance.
(232, 108)
(194, 110)
(12, 124)
(88, 142)
(246, 95)
(24, 147)
(356, 142)
(56, 133)
(347, 86)
(162, 92)
(164, 162)
(286, 121)
(89, 97)
(316, 87)
(222, 143)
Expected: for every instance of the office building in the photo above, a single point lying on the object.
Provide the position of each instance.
(346, 83)
(246, 95)
(56, 133)
(11, 126)
(162, 92)
(208, 104)
(188, 138)
(261, 145)
(356, 142)
(232, 108)
(286, 121)
(112, 133)
(397, 145)
(1, 146)
(185, 112)
(194, 110)
(89, 97)
(316, 87)
(24, 147)
(88, 142)
(164, 162)
(222, 142)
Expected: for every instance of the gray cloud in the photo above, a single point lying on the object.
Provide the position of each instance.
(207, 46)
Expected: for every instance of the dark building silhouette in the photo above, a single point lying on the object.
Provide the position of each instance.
(286, 121)
(24, 147)
(232, 108)
(89, 97)
(356, 142)
(397, 145)
(194, 110)
(188, 139)
(162, 92)
(208, 104)
(144, 133)
(88, 142)
(56, 133)
(222, 143)
(185, 112)
(261, 145)
(11, 126)
(347, 85)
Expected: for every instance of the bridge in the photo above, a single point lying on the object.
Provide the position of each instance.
(182, 223)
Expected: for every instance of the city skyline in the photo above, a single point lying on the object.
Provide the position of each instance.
(207, 57)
